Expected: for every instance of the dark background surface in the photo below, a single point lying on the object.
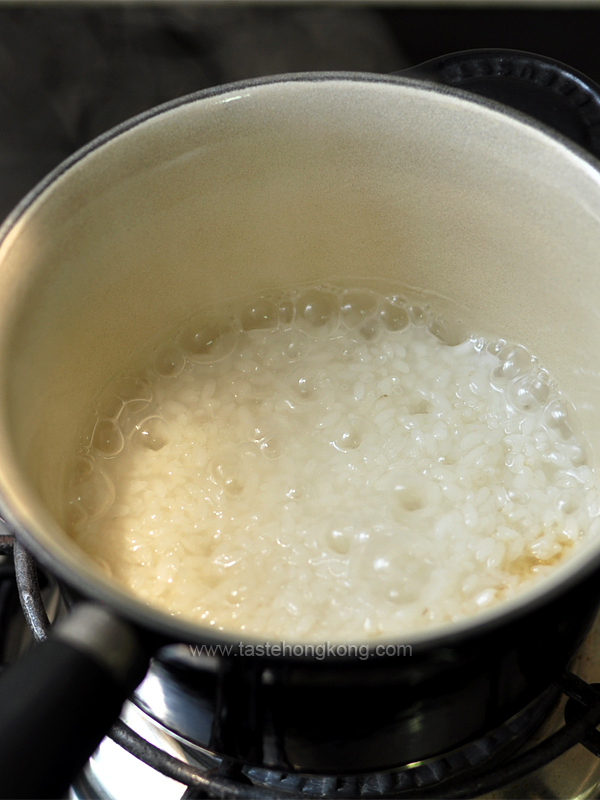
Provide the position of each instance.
(69, 72)
(571, 36)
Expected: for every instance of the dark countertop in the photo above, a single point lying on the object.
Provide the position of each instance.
(69, 72)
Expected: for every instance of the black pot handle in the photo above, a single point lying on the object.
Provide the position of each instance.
(553, 93)
(57, 702)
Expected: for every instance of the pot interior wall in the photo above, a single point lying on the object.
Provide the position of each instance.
(279, 184)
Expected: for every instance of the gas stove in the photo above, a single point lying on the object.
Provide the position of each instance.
(550, 750)
(120, 61)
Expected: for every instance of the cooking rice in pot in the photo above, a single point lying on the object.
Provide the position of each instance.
(332, 463)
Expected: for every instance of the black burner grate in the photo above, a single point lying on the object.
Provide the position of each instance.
(465, 774)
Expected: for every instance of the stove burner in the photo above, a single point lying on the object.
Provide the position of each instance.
(467, 762)
(408, 782)
(482, 766)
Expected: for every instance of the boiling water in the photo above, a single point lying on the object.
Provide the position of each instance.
(331, 464)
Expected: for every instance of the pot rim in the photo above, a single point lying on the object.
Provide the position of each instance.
(174, 629)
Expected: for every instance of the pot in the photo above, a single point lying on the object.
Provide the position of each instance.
(418, 179)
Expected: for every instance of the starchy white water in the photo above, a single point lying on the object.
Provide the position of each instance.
(332, 464)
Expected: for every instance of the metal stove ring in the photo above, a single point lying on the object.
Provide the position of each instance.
(218, 783)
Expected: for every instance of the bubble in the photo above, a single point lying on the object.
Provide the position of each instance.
(349, 436)
(560, 418)
(109, 407)
(107, 439)
(169, 362)
(356, 307)
(130, 389)
(234, 597)
(90, 496)
(414, 493)
(230, 473)
(514, 362)
(286, 312)
(410, 498)
(450, 332)
(339, 539)
(262, 314)
(208, 341)
(394, 317)
(395, 573)
(529, 393)
(271, 435)
(263, 426)
(152, 434)
(370, 330)
(496, 347)
(308, 387)
(418, 315)
(294, 345)
(87, 431)
(133, 415)
(84, 466)
(273, 446)
(577, 454)
(344, 348)
(317, 313)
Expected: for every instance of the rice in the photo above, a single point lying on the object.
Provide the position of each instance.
(331, 464)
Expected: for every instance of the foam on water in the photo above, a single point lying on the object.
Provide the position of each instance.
(332, 464)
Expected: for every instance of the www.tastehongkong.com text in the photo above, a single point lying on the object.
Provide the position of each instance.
(318, 651)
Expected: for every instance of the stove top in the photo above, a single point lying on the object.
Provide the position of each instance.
(534, 755)
(113, 773)
(66, 75)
